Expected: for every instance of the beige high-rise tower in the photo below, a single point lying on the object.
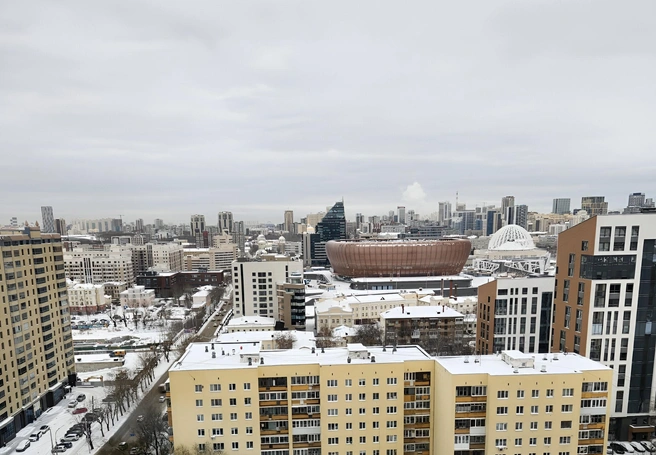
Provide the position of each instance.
(36, 344)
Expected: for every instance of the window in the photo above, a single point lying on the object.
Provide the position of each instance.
(363, 396)
(391, 438)
(217, 417)
(232, 386)
(217, 431)
(248, 416)
(535, 393)
(391, 395)
(502, 426)
(501, 394)
(348, 382)
(565, 439)
(550, 393)
(235, 446)
(376, 381)
(391, 424)
(518, 441)
(375, 410)
(201, 447)
(547, 425)
(376, 396)
(198, 388)
(332, 382)
(233, 402)
(247, 386)
(249, 430)
(249, 444)
(363, 439)
(247, 401)
(502, 410)
(233, 416)
(534, 409)
(332, 412)
(215, 402)
(363, 425)
(362, 411)
(234, 431)
(547, 440)
(348, 411)
(333, 427)
(199, 403)
(520, 394)
(375, 424)
(217, 446)
(548, 409)
(391, 409)
(362, 382)
(201, 432)
(500, 442)
(332, 397)
(333, 441)
(520, 410)
(565, 424)
(534, 425)
(215, 387)
(533, 441)
(568, 392)
(200, 417)
(518, 426)
(566, 408)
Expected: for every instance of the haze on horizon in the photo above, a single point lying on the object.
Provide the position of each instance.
(155, 110)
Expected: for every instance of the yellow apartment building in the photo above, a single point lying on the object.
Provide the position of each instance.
(515, 403)
(356, 400)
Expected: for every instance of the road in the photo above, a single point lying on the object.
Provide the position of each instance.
(151, 399)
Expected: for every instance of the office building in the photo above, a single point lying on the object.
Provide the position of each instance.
(219, 257)
(254, 283)
(226, 223)
(35, 341)
(331, 227)
(48, 220)
(138, 297)
(636, 200)
(594, 205)
(85, 299)
(236, 396)
(561, 206)
(401, 214)
(515, 314)
(288, 224)
(199, 231)
(604, 294)
(444, 213)
(114, 263)
(139, 225)
(507, 201)
(60, 226)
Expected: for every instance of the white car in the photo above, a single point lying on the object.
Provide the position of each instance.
(140, 419)
(22, 446)
(162, 399)
(72, 404)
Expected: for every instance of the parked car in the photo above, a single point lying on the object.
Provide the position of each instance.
(618, 448)
(134, 451)
(648, 445)
(81, 397)
(70, 437)
(162, 398)
(35, 436)
(123, 445)
(67, 444)
(58, 449)
(22, 446)
(73, 434)
(140, 418)
(638, 447)
(79, 410)
(44, 428)
(72, 404)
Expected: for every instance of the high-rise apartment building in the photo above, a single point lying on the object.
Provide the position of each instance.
(636, 200)
(114, 263)
(594, 205)
(507, 201)
(514, 314)
(291, 302)
(235, 397)
(199, 230)
(226, 222)
(254, 284)
(561, 206)
(444, 213)
(47, 219)
(35, 341)
(604, 298)
(139, 225)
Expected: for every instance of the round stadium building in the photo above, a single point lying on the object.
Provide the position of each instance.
(398, 258)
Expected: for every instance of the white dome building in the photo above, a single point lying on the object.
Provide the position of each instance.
(511, 250)
(511, 238)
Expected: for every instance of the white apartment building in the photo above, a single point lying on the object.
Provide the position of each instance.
(114, 263)
(85, 298)
(254, 283)
(167, 257)
(515, 314)
(219, 257)
(138, 297)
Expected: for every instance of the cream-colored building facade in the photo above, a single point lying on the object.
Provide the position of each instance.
(238, 397)
(36, 345)
(114, 263)
(84, 298)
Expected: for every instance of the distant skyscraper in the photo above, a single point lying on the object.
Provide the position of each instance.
(159, 223)
(60, 226)
(197, 230)
(401, 212)
(138, 225)
(48, 220)
(13, 222)
(333, 225)
(239, 235)
(226, 223)
(507, 201)
(521, 216)
(289, 221)
(444, 213)
(359, 219)
(636, 200)
(561, 206)
(594, 205)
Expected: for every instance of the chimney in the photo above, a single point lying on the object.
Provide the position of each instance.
(312, 350)
(373, 358)
(261, 360)
(212, 346)
(402, 308)
(206, 350)
(348, 360)
(250, 361)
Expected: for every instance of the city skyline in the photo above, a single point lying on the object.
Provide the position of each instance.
(133, 112)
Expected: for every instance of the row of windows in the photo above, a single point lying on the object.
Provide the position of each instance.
(502, 442)
(362, 396)
(198, 388)
(362, 425)
(362, 411)
(567, 392)
(219, 416)
(519, 426)
(362, 439)
(503, 410)
(361, 382)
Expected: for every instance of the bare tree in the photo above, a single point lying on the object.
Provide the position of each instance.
(284, 340)
(368, 335)
(153, 432)
(325, 338)
(85, 424)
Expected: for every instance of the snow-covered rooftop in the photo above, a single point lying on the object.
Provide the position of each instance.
(302, 339)
(251, 320)
(421, 312)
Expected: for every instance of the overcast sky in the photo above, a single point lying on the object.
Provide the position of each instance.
(158, 109)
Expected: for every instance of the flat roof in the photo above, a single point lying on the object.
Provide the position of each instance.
(251, 320)
(413, 312)
(234, 356)
(301, 338)
(557, 363)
